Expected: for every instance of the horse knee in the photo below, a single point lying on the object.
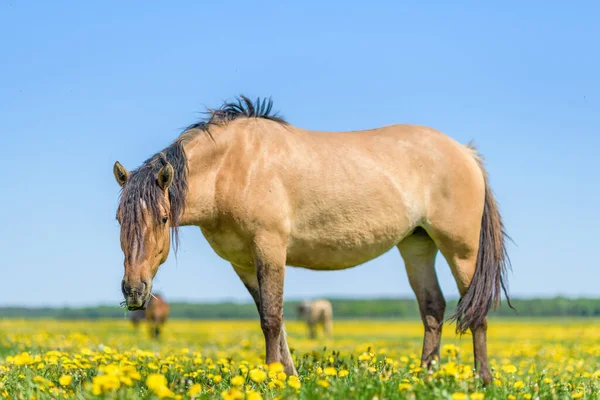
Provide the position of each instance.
(433, 309)
(271, 324)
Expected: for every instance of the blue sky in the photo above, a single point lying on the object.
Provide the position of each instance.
(83, 84)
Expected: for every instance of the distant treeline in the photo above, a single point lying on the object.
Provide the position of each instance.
(342, 308)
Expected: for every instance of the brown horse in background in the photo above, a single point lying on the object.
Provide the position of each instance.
(315, 313)
(155, 314)
(267, 194)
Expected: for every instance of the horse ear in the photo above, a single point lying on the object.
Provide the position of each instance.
(165, 176)
(121, 174)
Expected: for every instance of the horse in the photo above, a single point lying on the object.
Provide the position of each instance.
(317, 312)
(267, 195)
(157, 313)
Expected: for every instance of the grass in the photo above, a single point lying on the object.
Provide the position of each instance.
(46, 359)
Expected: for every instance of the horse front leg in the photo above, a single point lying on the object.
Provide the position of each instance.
(269, 261)
(249, 278)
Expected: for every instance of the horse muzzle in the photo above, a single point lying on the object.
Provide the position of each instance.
(137, 295)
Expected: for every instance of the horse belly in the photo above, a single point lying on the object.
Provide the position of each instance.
(333, 249)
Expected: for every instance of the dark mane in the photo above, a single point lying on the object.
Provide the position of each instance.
(242, 107)
(142, 182)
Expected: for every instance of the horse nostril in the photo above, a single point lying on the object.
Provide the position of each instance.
(123, 287)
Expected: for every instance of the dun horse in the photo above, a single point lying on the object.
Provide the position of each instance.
(267, 194)
(315, 313)
(156, 314)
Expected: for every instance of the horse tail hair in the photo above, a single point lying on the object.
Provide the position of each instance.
(489, 280)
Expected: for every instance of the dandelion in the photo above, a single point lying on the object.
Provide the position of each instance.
(294, 382)
(258, 375)
(518, 385)
(276, 367)
(450, 350)
(323, 383)
(252, 395)
(158, 384)
(65, 380)
(237, 380)
(194, 390)
(23, 359)
(232, 394)
(343, 373)
(330, 371)
(509, 369)
(155, 380)
(459, 396)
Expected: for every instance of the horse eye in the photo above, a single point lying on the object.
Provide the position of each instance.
(165, 219)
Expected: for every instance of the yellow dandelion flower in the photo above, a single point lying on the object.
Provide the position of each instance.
(459, 396)
(518, 385)
(330, 371)
(404, 387)
(194, 389)
(237, 380)
(477, 396)
(323, 383)
(276, 367)
(343, 373)
(232, 394)
(509, 369)
(294, 382)
(23, 359)
(155, 380)
(65, 380)
(252, 395)
(257, 375)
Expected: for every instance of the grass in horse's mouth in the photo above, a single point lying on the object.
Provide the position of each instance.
(123, 304)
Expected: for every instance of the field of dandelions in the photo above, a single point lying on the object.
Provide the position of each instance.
(539, 359)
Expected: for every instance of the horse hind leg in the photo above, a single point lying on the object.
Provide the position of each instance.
(418, 252)
(461, 255)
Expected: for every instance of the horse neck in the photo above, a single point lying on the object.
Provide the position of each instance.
(202, 153)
